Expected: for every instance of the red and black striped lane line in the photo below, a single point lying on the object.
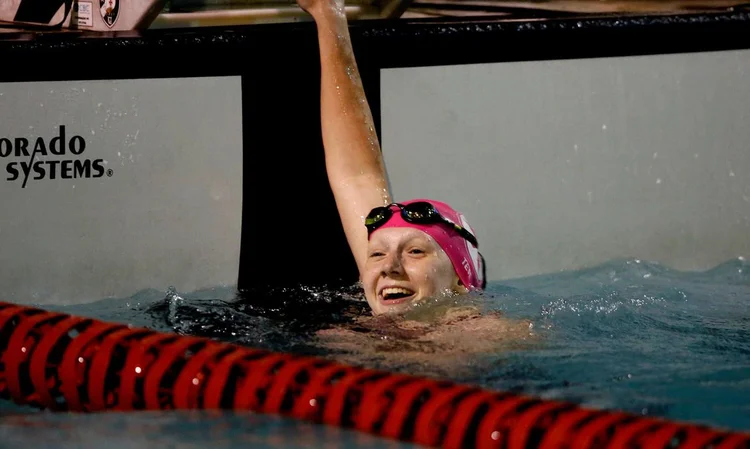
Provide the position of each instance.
(63, 362)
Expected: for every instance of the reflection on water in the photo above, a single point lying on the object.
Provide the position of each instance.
(178, 429)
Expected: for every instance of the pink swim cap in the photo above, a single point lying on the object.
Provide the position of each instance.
(463, 255)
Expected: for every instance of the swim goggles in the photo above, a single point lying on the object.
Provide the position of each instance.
(420, 212)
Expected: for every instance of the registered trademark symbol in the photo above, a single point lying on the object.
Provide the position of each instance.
(110, 172)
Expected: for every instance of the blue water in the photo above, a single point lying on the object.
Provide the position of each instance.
(629, 335)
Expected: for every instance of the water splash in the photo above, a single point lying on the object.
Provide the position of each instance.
(612, 336)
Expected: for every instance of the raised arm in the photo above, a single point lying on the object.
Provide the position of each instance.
(352, 152)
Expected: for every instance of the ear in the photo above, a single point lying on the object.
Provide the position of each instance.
(459, 286)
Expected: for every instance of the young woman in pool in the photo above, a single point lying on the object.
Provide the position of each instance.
(405, 252)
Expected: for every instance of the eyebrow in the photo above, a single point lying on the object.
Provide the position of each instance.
(416, 236)
(422, 239)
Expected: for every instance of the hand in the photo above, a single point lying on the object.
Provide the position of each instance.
(317, 7)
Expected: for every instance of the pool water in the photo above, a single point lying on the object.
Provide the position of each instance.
(629, 335)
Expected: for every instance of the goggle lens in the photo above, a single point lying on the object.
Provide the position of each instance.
(419, 213)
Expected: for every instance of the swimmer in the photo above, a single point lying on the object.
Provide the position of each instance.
(417, 259)
(406, 252)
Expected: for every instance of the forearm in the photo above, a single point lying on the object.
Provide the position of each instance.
(354, 164)
(351, 144)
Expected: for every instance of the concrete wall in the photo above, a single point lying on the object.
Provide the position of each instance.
(565, 164)
(169, 211)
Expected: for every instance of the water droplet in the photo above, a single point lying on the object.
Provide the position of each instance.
(138, 370)
(731, 173)
(658, 180)
(495, 435)
(604, 127)
(655, 154)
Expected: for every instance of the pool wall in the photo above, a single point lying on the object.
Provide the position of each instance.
(563, 164)
(567, 142)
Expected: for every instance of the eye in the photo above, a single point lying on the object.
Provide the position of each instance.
(377, 254)
(416, 251)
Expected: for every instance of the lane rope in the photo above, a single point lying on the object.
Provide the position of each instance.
(61, 362)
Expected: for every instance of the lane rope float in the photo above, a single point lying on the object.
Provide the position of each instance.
(62, 362)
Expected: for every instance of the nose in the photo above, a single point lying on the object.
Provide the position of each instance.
(392, 265)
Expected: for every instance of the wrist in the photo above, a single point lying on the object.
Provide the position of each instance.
(329, 15)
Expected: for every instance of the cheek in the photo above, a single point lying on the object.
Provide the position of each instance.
(368, 276)
(434, 276)
(446, 277)
(366, 281)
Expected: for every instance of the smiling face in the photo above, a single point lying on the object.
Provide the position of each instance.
(404, 266)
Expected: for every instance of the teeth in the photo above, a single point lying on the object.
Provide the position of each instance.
(396, 291)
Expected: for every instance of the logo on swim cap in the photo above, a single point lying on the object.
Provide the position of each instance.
(473, 252)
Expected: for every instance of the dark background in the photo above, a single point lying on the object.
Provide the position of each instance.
(291, 230)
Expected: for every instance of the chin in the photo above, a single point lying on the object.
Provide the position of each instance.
(396, 309)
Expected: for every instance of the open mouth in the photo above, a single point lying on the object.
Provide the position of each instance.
(395, 295)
